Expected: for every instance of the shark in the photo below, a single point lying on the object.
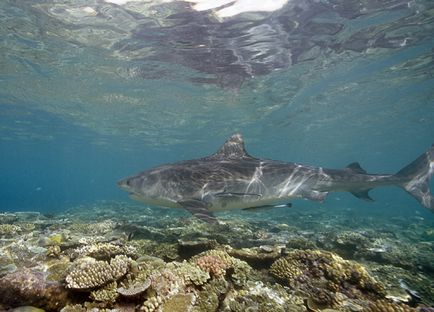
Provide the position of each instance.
(233, 179)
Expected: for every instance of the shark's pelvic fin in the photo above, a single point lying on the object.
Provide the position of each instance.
(416, 176)
(364, 194)
(198, 209)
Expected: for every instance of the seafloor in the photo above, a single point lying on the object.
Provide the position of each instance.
(114, 256)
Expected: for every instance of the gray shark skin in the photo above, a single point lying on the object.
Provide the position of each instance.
(232, 179)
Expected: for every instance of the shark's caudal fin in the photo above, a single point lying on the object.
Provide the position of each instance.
(416, 177)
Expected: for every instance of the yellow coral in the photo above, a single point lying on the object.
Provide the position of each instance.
(55, 239)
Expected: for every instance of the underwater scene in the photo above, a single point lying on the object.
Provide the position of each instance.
(216, 155)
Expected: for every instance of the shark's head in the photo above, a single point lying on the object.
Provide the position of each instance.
(147, 187)
(139, 185)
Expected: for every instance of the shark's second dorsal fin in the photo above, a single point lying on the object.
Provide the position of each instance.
(233, 148)
(356, 168)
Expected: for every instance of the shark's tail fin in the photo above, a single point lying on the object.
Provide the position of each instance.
(416, 176)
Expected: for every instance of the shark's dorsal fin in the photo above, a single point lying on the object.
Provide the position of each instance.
(233, 148)
(356, 168)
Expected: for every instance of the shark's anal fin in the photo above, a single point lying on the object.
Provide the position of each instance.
(198, 209)
(364, 194)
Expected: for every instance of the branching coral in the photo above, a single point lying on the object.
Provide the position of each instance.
(212, 264)
(217, 262)
(89, 273)
(107, 294)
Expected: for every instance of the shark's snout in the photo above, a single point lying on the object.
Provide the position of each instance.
(124, 184)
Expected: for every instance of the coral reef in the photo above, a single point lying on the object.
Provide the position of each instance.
(148, 260)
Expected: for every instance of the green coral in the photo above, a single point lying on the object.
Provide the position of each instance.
(107, 294)
(89, 273)
(73, 308)
(241, 272)
(7, 218)
(97, 228)
(322, 268)
(179, 303)
(53, 251)
(27, 227)
(386, 306)
(208, 298)
(190, 273)
(57, 269)
(260, 297)
(286, 269)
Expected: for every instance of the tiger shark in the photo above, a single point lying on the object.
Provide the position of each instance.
(232, 179)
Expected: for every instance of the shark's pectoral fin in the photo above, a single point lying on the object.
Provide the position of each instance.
(315, 195)
(198, 209)
(364, 194)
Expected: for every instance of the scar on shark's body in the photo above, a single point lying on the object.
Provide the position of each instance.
(232, 179)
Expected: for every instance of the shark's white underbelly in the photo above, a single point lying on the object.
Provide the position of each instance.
(221, 205)
(217, 204)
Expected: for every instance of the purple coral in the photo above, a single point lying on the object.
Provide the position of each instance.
(28, 287)
(212, 264)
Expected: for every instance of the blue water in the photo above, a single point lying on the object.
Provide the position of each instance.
(89, 98)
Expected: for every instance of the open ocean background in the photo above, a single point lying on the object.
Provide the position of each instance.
(93, 91)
